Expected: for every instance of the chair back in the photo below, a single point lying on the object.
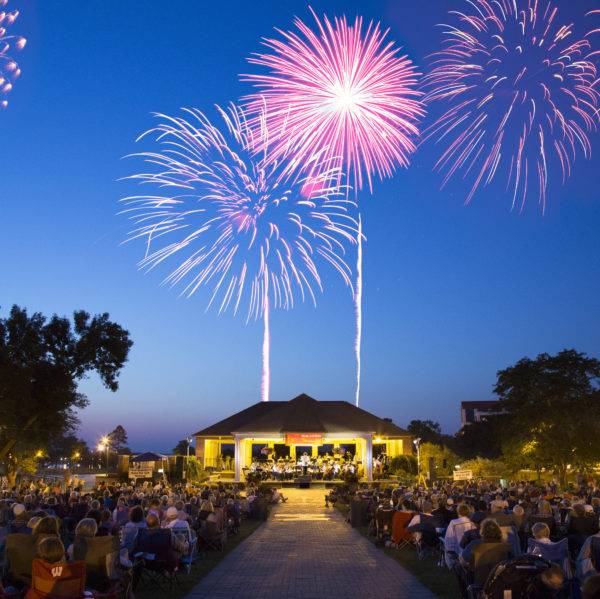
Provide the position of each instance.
(57, 581)
(99, 555)
(486, 557)
(553, 552)
(21, 549)
(219, 513)
(399, 523)
(384, 519)
(595, 552)
(511, 536)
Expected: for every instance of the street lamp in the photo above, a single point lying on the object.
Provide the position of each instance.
(104, 444)
(417, 443)
(189, 442)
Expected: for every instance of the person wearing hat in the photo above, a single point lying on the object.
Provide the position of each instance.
(21, 518)
(172, 519)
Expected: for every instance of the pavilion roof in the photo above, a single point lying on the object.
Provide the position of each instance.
(303, 414)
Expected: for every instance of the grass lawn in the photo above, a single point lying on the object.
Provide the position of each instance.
(440, 581)
(204, 564)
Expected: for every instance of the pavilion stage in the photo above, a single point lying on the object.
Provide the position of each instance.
(286, 430)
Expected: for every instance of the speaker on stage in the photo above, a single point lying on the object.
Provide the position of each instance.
(304, 482)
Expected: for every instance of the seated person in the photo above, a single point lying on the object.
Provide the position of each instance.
(490, 533)
(21, 517)
(52, 576)
(541, 532)
(580, 526)
(588, 560)
(51, 550)
(591, 588)
(454, 534)
(547, 584)
(86, 529)
(173, 520)
(158, 544)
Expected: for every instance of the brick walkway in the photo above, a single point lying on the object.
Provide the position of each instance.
(306, 551)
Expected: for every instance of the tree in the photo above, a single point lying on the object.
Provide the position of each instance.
(552, 409)
(426, 430)
(182, 448)
(41, 362)
(118, 438)
(480, 439)
(444, 459)
(482, 467)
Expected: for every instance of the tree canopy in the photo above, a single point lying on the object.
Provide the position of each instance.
(551, 410)
(41, 362)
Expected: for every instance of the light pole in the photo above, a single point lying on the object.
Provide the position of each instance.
(189, 442)
(105, 444)
(417, 443)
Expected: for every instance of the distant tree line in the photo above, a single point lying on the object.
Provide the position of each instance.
(549, 418)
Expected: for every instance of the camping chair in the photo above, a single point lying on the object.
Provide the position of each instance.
(400, 535)
(155, 561)
(56, 581)
(20, 553)
(212, 537)
(100, 555)
(557, 553)
(191, 542)
(486, 557)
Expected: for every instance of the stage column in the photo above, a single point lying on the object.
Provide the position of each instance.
(239, 458)
(368, 457)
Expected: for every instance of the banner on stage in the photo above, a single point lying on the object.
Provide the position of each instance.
(463, 475)
(303, 439)
(141, 469)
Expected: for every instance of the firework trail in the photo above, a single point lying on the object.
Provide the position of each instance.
(345, 90)
(358, 311)
(9, 69)
(519, 95)
(223, 215)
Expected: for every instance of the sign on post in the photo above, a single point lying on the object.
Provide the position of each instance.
(141, 469)
(463, 475)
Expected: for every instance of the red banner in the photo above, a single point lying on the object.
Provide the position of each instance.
(303, 439)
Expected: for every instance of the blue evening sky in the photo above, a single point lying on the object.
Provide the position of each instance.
(452, 292)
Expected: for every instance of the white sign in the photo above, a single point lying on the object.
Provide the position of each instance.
(141, 469)
(463, 475)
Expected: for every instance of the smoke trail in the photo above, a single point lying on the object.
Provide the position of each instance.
(358, 308)
(266, 349)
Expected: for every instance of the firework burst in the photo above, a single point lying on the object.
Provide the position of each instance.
(9, 69)
(519, 96)
(224, 215)
(343, 89)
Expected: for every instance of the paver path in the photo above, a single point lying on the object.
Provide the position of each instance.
(307, 551)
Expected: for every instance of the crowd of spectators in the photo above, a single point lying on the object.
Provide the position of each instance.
(470, 527)
(118, 536)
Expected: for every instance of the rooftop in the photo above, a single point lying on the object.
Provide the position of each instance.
(303, 414)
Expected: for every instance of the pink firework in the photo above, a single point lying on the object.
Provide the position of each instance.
(9, 69)
(341, 92)
(519, 94)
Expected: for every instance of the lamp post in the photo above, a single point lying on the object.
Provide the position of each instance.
(417, 443)
(189, 442)
(105, 444)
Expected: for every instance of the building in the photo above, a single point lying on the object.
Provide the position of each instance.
(476, 411)
(299, 425)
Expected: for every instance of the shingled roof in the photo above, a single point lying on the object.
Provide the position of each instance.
(303, 414)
